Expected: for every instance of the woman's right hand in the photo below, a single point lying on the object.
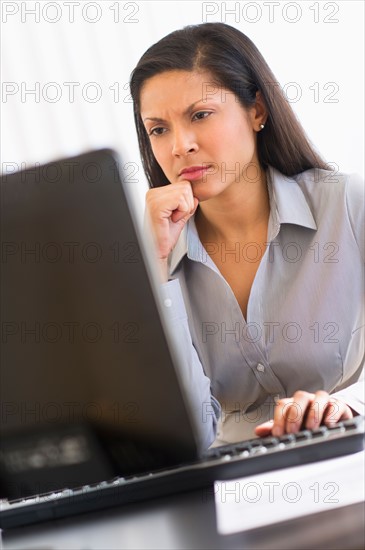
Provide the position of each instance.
(168, 208)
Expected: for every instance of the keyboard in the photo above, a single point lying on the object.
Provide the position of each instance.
(220, 463)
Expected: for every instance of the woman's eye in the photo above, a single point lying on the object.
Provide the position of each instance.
(201, 114)
(156, 131)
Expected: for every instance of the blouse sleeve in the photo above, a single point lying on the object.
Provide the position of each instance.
(205, 407)
(354, 394)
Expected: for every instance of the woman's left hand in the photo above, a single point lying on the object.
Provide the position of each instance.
(304, 410)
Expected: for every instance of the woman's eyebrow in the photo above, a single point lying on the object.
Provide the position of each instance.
(186, 112)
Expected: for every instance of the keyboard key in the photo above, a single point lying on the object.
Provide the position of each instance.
(270, 442)
(287, 438)
(319, 432)
(242, 448)
(302, 436)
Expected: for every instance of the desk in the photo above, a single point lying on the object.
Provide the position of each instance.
(187, 521)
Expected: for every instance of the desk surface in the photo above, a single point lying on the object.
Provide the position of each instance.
(188, 521)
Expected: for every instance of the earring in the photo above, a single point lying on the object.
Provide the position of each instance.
(262, 126)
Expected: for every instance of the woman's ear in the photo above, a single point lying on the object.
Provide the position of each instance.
(258, 112)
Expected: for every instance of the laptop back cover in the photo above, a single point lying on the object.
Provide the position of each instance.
(83, 337)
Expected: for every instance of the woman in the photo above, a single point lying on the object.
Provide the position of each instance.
(259, 244)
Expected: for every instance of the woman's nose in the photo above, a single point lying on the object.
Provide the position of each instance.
(184, 143)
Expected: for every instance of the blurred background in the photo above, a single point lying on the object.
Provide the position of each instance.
(65, 68)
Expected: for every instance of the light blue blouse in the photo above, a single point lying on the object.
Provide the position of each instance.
(305, 316)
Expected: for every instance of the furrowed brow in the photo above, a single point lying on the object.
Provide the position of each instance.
(186, 112)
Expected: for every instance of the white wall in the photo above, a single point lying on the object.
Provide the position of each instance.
(315, 49)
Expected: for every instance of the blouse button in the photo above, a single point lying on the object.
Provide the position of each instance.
(260, 368)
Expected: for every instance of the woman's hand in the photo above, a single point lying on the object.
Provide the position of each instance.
(168, 208)
(304, 410)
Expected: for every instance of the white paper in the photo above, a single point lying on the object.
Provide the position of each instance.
(271, 497)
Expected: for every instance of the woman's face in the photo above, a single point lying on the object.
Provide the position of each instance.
(200, 132)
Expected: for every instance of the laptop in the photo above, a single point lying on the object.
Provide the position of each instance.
(93, 408)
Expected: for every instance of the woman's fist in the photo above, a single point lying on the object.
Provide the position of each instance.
(168, 208)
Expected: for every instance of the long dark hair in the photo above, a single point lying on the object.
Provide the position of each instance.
(237, 65)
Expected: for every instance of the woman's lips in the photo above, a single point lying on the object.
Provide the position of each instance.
(192, 174)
